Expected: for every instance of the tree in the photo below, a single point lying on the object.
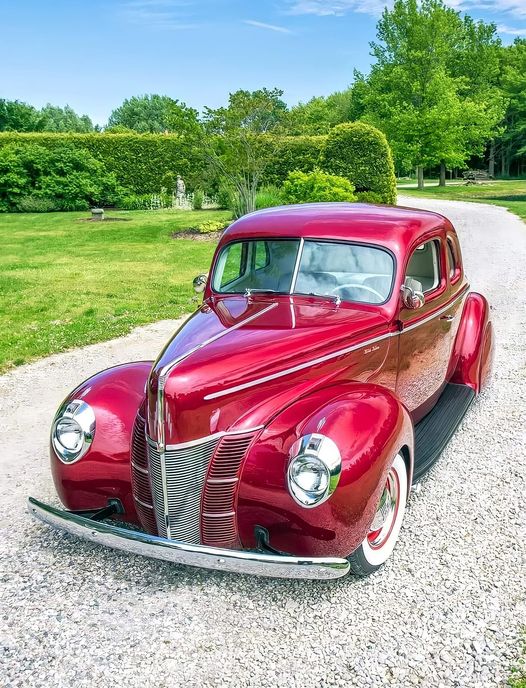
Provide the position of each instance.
(320, 114)
(431, 114)
(154, 114)
(233, 141)
(511, 144)
(18, 116)
(55, 118)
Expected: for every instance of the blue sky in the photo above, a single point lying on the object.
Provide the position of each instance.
(93, 54)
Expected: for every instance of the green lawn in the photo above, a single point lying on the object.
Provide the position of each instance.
(510, 194)
(65, 283)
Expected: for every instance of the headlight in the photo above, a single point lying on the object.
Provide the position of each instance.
(73, 430)
(314, 469)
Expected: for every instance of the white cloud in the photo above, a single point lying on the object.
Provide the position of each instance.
(324, 8)
(502, 28)
(268, 27)
(160, 14)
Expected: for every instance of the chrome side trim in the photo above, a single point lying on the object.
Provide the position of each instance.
(173, 551)
(300, 366)
(334, 354)
(435, 314)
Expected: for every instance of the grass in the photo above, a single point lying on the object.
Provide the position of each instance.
(518, 676)
(65, 283)
(508, 193)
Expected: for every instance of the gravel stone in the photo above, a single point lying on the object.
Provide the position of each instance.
(445, 611)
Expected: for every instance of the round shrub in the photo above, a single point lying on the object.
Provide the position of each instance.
(317, 186)
(361, 153)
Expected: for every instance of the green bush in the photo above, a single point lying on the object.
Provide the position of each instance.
(224, 198)
(68, 178)
(135, 202)
(198, 200)
(268, 197)
(34, 204)
(140, 162)
(368, 197)
(317, 186)
(361, 153)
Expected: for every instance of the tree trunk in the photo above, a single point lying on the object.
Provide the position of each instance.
(442, 179)
(491, 169)
(420, 177)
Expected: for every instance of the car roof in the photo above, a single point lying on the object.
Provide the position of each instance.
(391, 226)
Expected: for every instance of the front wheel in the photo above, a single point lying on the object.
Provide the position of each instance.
(381, 539)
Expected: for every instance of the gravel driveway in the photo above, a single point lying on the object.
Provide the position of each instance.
(445, 611)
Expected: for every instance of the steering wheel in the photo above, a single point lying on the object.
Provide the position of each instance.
(359, 286)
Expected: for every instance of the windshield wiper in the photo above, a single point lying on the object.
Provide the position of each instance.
(333, 297)
(249, 292)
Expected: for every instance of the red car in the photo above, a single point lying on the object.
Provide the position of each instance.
(279, 432)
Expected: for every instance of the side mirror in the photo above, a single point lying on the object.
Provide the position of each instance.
(412, 294)
(199, 283)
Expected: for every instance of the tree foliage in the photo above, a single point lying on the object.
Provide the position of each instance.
(424, 90)
(234, 142)
(153, 114)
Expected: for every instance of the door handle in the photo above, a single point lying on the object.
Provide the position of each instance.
(447, 318)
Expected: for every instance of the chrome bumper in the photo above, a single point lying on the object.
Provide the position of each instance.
(215, 558)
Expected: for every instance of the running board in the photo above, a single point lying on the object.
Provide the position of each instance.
(435, 430)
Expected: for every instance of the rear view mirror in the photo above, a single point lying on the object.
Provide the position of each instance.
(412, 294)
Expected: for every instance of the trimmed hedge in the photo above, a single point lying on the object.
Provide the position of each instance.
(139, 161)
(361, 153)
(290, 154)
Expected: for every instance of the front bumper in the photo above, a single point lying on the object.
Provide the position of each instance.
(201, 556)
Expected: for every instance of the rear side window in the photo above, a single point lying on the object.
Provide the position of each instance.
(453, 263)
(424, 266)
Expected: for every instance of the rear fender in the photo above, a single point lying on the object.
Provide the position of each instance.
(104, 472)
(369, 425)
(472, 357)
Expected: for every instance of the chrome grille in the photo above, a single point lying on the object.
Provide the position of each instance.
(220, 492)
(177, 497)
(139, 473)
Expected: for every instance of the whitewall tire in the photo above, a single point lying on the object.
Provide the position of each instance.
(380, 541)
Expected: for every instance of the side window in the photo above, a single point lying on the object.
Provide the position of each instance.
(235, 263)
(424, 265)
(261, 255)
(453, 264)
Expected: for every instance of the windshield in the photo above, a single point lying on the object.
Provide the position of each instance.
(351, 272)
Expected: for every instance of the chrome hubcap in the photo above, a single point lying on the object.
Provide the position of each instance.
(385, 516)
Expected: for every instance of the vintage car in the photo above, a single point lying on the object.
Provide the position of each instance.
(279, 432)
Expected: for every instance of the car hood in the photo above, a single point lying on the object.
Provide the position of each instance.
(236, 350)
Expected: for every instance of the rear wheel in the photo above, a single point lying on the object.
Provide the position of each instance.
(381, 539)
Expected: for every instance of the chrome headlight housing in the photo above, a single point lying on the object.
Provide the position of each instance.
(314, 469)
(73, 430)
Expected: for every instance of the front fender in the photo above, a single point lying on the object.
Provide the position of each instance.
(104, 472)
(369, 425)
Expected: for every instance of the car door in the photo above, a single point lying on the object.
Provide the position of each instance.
(425, 333)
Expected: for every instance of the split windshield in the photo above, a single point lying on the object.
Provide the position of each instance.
(349, 271)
